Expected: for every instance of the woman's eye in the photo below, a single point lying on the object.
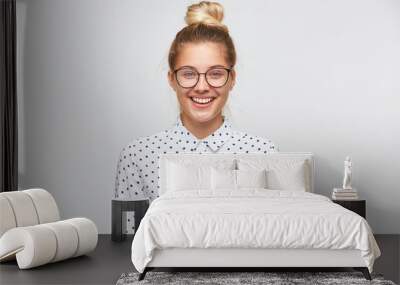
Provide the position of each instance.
(188, 74)
(216, 73)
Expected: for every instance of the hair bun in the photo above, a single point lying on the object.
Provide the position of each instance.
(205, 12)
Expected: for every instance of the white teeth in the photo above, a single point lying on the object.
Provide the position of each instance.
(201, 100)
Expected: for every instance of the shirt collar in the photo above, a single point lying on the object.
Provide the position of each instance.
(214, 141)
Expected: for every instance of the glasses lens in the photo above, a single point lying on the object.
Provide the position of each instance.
(217, 77)
(187, 77)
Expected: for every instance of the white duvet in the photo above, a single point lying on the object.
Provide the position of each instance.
(250, 218)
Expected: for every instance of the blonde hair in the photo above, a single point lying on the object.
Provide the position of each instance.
(204, 24)
(209, 13)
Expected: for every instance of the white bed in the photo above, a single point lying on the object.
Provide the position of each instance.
(193, 224)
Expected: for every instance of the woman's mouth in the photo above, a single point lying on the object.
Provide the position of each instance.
(201, 102)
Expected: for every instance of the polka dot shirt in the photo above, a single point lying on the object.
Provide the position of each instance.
(137, 169)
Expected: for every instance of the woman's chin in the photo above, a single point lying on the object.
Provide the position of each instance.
(202, 116)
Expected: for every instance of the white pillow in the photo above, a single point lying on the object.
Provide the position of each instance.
(287, 176)
(237, 179)
(182, 177)
(188, 160)
(282, 174)
(251, 178)
(223, 178)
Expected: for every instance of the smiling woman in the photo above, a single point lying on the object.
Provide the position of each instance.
(203, 47)
(192, 89)
(202, 60)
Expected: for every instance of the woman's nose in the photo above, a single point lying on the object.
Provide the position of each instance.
(202, 84)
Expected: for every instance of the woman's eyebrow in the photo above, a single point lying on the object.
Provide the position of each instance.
(189, 66)
(218, 65)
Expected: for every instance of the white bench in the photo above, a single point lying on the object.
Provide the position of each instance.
(31, 231)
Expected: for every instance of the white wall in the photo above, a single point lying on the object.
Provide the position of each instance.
(320, 76)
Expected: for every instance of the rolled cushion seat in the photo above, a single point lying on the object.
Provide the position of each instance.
(46, 243)
(45, 205)
(27, 208)
(7, 218)
(31, 231)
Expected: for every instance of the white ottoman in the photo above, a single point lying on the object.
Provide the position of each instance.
(32, 234)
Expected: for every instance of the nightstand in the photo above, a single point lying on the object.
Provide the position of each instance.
(357, 206)
(118, 207)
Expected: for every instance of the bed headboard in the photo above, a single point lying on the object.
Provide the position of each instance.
(211, 158)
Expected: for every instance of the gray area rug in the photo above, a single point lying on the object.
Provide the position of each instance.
(273, 278)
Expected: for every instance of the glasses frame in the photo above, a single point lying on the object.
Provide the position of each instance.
(200, 73)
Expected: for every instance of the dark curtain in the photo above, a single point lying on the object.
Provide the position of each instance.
(8, 99)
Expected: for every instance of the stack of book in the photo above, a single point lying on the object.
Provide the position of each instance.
(344, 194)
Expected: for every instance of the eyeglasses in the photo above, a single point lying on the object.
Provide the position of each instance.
(188, 77)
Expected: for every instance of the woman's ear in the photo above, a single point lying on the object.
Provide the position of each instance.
(171, 80)
(233, 79)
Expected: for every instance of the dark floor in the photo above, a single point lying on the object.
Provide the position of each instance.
(111, 259)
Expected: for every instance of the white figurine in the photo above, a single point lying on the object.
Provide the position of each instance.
(347, 173)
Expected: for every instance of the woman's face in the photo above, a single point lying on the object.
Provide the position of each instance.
(201, 57)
